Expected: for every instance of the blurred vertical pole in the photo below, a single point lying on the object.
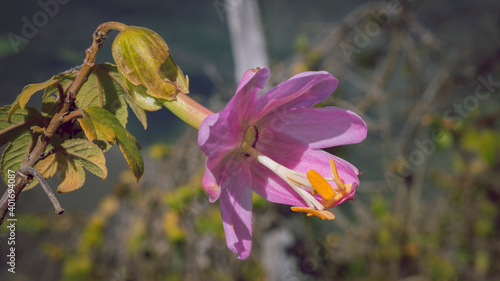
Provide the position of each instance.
(249, 51)
(247, 35)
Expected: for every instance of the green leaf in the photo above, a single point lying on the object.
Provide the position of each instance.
(104, 88)
(70, 158)
(138, 111)
(51, 96)
(127, 143)
(25, 95)
(21, 121)
(113, 73)
(13, 155)
(103, 91)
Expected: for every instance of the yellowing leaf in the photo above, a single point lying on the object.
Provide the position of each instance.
(25, 95)
(94, 129)
(47, 167)
(72, 176)
(88, 126)
(70, 158)
(127, 143)
(88, 155)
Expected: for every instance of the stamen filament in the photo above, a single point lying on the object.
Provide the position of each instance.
(300, 183)
(294, 179)
(308, 198)
(335, 175)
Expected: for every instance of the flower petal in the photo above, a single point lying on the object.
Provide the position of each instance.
(210, 185)
(281, 147)
(236, 212)
(252, 81)
(226, 166)
(220, 133)
(318, 160)
(319, 127)
(286, 151)
(305, 89)
(296, 155)
(272, 188)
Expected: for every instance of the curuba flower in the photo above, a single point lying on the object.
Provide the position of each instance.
(272, 145)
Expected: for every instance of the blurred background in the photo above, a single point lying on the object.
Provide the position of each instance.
(424, 75)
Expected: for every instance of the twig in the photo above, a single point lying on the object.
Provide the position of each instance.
(67, 112)
(25, 171)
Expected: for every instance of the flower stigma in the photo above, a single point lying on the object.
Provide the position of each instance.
(305, 185)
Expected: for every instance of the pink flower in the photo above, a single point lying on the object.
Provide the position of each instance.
(272, 145)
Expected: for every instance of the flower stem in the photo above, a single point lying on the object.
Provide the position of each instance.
(188, 110)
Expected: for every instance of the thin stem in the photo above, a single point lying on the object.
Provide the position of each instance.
(60, 90)
(25, 171)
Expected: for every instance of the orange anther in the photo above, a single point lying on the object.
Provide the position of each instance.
(322, 214)
(320, 184)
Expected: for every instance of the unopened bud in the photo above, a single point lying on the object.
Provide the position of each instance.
(147, 68)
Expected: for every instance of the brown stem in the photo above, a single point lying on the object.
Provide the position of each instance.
(25, 171)
(66, 113)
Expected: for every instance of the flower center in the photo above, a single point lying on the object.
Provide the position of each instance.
(250, 138)
(305, 185)
(251, 135)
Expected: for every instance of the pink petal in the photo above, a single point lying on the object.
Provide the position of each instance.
(319, 127)
(272, 188)
(227, 165)
(236, 212)
(318, 160)
(210, 185)
(252, 81)
(305, 89)
(280, 147)
(297, 156)
(220, 133)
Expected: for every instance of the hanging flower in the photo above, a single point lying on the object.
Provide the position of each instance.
(272, 145)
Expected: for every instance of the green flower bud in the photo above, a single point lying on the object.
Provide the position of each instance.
(147, 68)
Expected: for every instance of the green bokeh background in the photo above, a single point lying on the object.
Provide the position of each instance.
(427, 206)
